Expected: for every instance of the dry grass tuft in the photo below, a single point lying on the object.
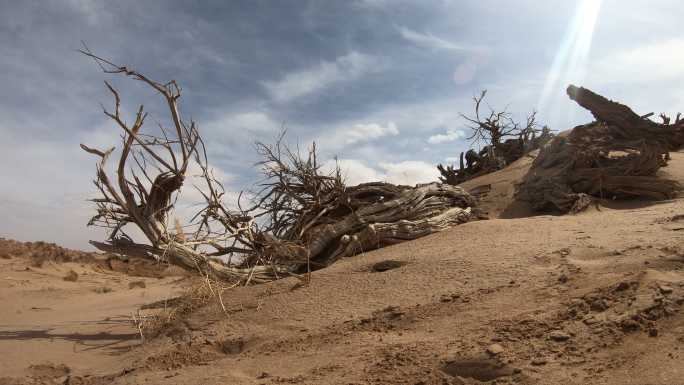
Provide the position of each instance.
(173, 311)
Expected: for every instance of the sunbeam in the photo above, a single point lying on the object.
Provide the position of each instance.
(570, 63)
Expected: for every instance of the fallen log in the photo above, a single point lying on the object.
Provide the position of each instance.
(390, 214)
(615, 157)
(379, 215)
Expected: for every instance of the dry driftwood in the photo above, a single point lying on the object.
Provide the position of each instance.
(300, 219)
(617, 156)
(381, 214)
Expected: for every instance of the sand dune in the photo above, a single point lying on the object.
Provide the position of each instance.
(593, 298)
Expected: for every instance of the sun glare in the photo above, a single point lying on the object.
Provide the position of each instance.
(570, 63)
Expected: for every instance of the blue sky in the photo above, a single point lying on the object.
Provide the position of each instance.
(377, 83)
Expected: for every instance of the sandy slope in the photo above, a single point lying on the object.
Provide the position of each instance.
(594, 298)
(84, 324)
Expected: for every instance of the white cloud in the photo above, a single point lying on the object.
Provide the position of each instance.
(450, 136)
(410, 172)
(429, 40)
(354, 171)
(422, 117)
(189, 194)
(370, 131)
(661, 61)
(347, 134)
(302, 83)
(190, 200)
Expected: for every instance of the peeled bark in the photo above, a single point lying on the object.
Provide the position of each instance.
(392, 214)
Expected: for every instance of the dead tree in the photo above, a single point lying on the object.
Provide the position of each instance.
(505, 141)
(299, 220)
(617, 156)
(494, 128)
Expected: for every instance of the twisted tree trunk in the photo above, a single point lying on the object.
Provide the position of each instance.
(615, 157)
(390, 214)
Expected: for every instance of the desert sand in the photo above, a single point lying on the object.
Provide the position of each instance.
(592, 298)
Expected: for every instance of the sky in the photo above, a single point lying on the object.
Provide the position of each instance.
(377, 84)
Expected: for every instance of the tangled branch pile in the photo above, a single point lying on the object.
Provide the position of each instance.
(506, 141)
(617, 156)
(301, 218)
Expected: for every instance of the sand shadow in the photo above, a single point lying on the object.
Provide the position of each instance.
(90, 341)
(520, 209)
(631, 204)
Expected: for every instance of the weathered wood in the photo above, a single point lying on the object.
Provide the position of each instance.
(623, 124)
(615, 157)
(413, 213)
(409, 213)
(301, 219)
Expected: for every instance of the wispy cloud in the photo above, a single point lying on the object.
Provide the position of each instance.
(450, 136)
(301, 83)
(378, 82)
(429, 40)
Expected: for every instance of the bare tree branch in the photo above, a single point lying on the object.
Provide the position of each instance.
(299, 218)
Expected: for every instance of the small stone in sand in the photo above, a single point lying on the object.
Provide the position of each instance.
(495, 349)
(387, 265)
(665, 289)
(134, 284)
(559, 336)
(622, 286)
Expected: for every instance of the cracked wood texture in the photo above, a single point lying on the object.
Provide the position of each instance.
(615, 157)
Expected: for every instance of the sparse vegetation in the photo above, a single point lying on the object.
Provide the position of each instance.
(168, 315)
(504, 139)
